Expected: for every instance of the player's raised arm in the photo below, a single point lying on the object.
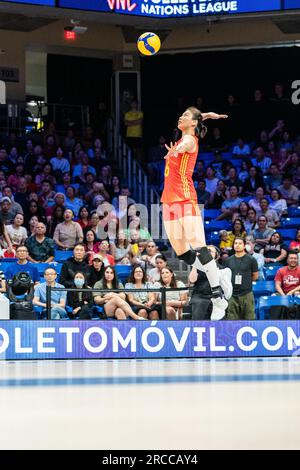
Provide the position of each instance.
(212, 115)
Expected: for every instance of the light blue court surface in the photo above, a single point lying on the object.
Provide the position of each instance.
(154, 404)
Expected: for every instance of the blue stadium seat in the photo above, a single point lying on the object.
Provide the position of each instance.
(263, 288)
(288, 222)
(270, 272)
(287, 233)
(211, 214)
(213, 238)
(42, 266)
(215, 225)
(123, 271)
(265, 303)
(61, 256)
(294, 211)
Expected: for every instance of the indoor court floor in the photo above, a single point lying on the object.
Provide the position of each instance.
(250, 403)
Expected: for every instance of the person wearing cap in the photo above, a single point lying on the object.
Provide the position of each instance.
(96, 270)
(7, 214)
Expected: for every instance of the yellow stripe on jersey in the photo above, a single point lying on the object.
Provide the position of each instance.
(182, 170)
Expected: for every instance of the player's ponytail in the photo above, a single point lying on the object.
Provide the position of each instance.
(200, 129)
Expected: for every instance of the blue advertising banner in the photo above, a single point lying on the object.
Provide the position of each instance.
(173, 8)
(163, 339)
(49, 3)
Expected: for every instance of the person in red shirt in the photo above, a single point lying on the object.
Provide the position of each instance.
(287, 279)
(295, 245)
(181, 215)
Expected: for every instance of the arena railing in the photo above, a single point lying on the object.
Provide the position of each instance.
(162, 290)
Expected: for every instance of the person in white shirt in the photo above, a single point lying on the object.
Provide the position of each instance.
(16, 232)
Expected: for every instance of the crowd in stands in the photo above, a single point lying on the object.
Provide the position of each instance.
(59, 194)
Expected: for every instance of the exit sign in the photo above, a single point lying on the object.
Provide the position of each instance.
(8, 74)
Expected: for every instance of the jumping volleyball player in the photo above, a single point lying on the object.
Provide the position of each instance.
(181, 214)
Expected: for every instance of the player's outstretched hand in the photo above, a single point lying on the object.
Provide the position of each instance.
(172, 152)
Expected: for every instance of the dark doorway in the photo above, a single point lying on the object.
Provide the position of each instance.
(80, 81)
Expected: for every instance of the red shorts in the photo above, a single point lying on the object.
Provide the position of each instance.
(178, 210)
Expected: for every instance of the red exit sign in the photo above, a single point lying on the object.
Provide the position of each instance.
(70, 35)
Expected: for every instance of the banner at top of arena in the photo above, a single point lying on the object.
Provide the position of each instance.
(179, 8)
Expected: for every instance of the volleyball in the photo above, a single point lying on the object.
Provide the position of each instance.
(148, 43)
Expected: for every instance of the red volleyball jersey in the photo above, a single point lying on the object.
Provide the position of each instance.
(179, 185)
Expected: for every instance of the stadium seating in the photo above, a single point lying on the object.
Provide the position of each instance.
(265, 303)
(61, 256)
(290, 223)
(123, 271)
(294, 211)
(211, 214)
(263, 288)
(287, 233)
(270, 272)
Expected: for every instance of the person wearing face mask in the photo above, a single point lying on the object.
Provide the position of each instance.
(80, 303)
(249, 247)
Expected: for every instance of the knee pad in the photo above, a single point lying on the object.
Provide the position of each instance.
(204, 255)
(189, 257)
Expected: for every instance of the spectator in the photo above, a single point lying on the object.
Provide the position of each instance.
(45, 174)
(250, 244)
(274, 179)
(115, 189)
(155, 273)
(233, 180)
(253, 182)
(244, 172)
(238, 230)
(41, 249)
(199, 172)
(47, 194)
(278, 204)
(225, 241)
(16, 232)
(219, 196)
(90, 241)
(241, 149)
(242, 212)
(262, 233)
(35, 209)
(255, 202)
(68, 233)
(150, 256)
(287, 278)
(134, 130)
(59, 163)
(72, 202)
(56, 218)
(84, 218)
(71, 266)
(96, 270)
(5, 241)
(80, 302)
(289, 192)
(203, 196)
(295, 245)
(104, 248)
(7, 213)
(217, 163)
(244, 271)
(22, 265)
(121, 248)
(261, 161)
(210, 179)
(16, 208)
(272, 216)
(113, 303)
(175, 300)
(275, 251)
(231, 205)
(142, 303)
(58, 298)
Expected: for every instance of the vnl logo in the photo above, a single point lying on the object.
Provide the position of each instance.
(123, 5)
(296, 94)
